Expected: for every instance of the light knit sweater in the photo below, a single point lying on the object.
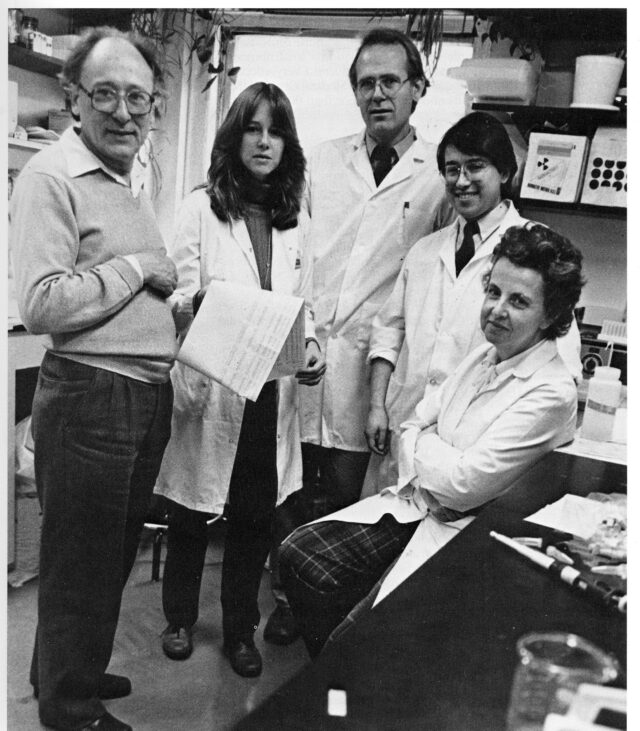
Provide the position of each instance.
(71, 227)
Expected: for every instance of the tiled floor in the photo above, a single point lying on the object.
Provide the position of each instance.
(199, 694)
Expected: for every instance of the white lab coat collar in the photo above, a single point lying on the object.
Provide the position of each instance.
(80, 160)
(522, 365)
(403, 169)
(496, 221)
(240, 234)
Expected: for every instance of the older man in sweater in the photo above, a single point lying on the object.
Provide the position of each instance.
(93, 275)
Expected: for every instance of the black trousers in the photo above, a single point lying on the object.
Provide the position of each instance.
(99, 439)
(250, 510)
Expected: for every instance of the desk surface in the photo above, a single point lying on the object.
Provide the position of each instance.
(439, 652)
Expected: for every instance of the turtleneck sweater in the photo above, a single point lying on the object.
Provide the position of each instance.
(257, 216)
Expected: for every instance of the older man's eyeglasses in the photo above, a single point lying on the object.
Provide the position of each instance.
(107, 99)
(473, 169)
(389, 85)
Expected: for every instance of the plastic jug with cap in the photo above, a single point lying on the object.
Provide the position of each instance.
(603, 398)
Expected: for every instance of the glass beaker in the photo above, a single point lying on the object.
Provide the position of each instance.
(552, 666)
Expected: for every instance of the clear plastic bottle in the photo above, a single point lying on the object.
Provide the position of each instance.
(603, 398)
(28, 31)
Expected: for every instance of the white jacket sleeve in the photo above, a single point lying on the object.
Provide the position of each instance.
(186, 253)
(569, 347)
(423, 422)
(531, 427)
(305, 283)
(388, 326)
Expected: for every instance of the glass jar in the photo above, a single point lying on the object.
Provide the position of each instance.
(552, 666)
(28, 31)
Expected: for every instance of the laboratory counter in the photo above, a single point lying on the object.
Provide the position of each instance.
(440, 651)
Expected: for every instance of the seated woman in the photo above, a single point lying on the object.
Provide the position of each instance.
(510, 402)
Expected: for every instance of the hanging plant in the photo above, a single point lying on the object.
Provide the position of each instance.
(520, 31)
(428, 32)
(196, 29)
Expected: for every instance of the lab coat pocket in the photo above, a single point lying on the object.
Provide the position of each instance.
(191, 390)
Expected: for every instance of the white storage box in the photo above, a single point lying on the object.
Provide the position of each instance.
(498, 80)
(42, 44)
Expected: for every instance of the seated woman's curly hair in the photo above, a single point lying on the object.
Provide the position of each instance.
(559, 262)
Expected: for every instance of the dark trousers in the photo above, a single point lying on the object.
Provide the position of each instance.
(99, 439)
(250, 509)
(331, 479)
(327, 568)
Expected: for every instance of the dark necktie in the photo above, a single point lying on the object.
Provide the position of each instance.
(467, 249)
(382, 160)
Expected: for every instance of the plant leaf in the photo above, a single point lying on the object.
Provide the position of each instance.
(208, 84)
(232, 73)
(204, 54)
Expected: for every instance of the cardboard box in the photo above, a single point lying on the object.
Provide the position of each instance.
(42, 43)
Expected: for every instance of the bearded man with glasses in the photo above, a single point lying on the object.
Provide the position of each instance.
(370, 197)
(93, 275)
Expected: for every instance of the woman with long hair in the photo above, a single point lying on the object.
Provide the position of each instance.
(227, 453)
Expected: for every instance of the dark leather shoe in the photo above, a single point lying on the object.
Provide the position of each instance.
(244, 657)
(281, 627)
(104, 723)
(177, 642)
(111, 686)
(107, 723)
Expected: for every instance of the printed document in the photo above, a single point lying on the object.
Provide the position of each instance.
(243, 337)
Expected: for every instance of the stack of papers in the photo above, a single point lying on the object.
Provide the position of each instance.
(243, 337)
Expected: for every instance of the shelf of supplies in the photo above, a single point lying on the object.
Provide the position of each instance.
(573, 208)
(567, 120)
(31, 61)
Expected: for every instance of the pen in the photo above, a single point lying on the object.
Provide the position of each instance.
(568, 574)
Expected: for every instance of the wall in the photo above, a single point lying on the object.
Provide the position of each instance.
(37, 94)
(603, 241)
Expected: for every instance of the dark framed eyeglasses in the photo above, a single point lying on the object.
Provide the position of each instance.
(107, 99)
(389, 85)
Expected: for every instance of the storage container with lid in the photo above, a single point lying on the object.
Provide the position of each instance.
(603, 398)
(498, 80)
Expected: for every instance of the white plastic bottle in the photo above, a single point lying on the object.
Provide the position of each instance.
(603, 398)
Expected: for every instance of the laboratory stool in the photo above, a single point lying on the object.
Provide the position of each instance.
(158, 522)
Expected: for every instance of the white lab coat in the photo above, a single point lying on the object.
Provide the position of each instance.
(197, 464)
(430, 322)
(359, 236)
(465, 450)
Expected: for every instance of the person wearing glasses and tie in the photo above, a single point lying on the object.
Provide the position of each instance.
(93, 275)
(430, 321)
(370, 197)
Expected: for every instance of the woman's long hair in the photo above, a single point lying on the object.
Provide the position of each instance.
(228, 178)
